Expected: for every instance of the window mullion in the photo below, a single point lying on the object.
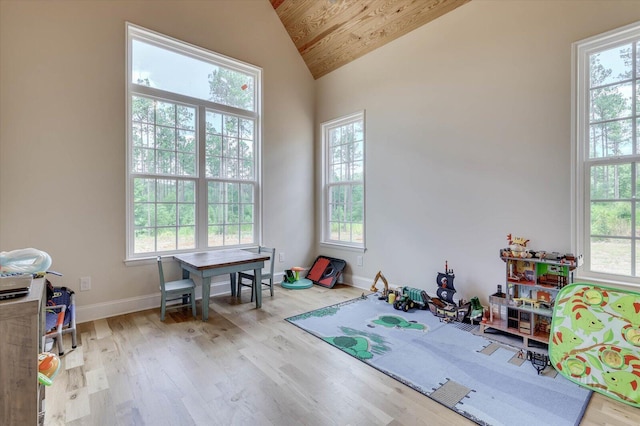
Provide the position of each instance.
(634, 165)
(202, 202)
(633, 218)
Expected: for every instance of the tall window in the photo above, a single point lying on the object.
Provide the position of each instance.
(193, 179)
(607, 142)
(343, 181)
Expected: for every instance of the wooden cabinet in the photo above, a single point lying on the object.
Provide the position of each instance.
(525, 309)
(21, 324)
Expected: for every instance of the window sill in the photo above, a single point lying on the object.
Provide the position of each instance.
(343, 247)
(142, 261)
(607, 282)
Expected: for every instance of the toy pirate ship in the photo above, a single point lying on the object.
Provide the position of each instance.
(446, 305)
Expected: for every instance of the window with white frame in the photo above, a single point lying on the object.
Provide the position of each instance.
(343, 142)
(193, 178)
(606, 135)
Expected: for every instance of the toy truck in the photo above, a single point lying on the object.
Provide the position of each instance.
(410, 298)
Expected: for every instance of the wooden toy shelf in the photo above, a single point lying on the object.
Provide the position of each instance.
(526, 308)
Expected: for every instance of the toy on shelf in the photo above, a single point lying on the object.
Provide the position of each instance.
(518, 250)
(518, 247)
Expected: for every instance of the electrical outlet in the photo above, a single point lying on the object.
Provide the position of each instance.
(85, 283)
(359, 261)
(281, 257)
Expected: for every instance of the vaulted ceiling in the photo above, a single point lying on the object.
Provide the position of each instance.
(332, 33)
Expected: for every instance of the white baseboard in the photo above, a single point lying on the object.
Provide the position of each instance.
(359, 282)
(96, 311)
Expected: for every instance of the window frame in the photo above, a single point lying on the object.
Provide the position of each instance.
(580, 161)
(201, 179)
(326, 127)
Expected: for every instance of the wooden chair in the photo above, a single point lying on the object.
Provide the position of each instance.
(267, 273)
(184, 290)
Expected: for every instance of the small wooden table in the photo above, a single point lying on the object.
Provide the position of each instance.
(208, 264)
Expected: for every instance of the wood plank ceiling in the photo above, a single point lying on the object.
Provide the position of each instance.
(332, 33)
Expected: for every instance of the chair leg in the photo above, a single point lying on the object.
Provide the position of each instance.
(253, 287)
(74, 339)
(193, 304)
(59, 342)
(163, 307)
(259, 288)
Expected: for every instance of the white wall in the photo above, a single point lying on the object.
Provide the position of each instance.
(468, 138)
(62, 133)
(468, 126)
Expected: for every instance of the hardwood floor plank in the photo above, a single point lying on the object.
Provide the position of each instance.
(74, 358)
(75, 379)
(605, 411)
(77, 405)
(243, 366)
(102, 328)
(196, 406)
(96, 380)
(102, 411)
(128, 413)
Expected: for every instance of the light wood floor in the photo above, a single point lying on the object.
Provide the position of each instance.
(244, 366)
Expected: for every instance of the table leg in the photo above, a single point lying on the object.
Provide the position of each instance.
(232, 279)
(206, 292)
(257, 273)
